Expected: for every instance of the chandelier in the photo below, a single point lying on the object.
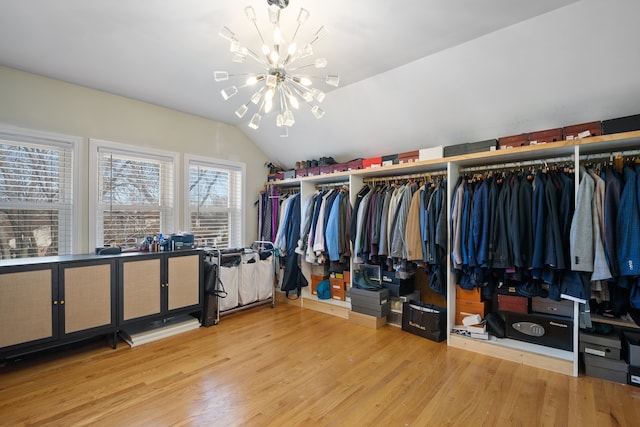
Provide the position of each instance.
(285, 79)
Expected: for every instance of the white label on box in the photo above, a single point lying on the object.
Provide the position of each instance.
(584, 134)
(595, 352)
(634, 379)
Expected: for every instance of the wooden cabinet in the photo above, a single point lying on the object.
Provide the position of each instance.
(51, 303)
(153, 286)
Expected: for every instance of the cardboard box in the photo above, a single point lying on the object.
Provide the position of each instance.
(426, 320)
(431, 153)
(607, 369)
(546, 136)
(340, 167)
(376, 311)
(347, 277)
(397, 286)
(513, 303)
(621, 124)
(473, 295)
(338, 294)
(355, 164)
(315, 280)
(549, 306)
(464, 308)
(337, 284)
(391, 159)
(582, 130)
(512, 141)
(631, 341)
(408, 157)
(633, 377)
(471, 147)
(372, 162)
(363, 297)
(608, 346)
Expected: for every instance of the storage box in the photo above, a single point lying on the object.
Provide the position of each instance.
(607, 369)
(520, 140)
(513, 303)
(582, 130)
(290, 174)
(621, 124)
(427, 320)
(340, 167)
(545, 136)
(354, 164)
(338, 294)
(372, 162)
(391, 159)
(473, 295)
(313, 171)
(550, 331)
(631, 342)
(325, 170)
(363, 297)
(320, 269)
(633, 377)
(550, 306)
(315, 280)
(337, 284)
(271, 177)
(300, 173)
(398, 302)
(408, 157)
(471, 147)
(377, 311)
(465, 308)
(431, 153)
(346, 276)
(608, 346)
(397, 286)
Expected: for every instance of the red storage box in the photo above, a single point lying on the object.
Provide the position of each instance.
(513, 141)
(513, 303)
(340, 167)
(326, 169)
(545, 136)
(409, 156)
(580, 131)
(313, 171)
(372, 162)
(354, 165)
(301, 173)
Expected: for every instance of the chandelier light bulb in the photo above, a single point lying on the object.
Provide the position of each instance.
(241, 111)
(294, 102)
(305, 81)
(255, 121)
(274, 57)
(252, 80)
(220, 76)
(268, 101)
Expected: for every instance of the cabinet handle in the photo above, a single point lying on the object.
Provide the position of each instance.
(62, 302)
(55, 303)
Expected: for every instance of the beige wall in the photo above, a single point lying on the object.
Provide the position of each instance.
(33, 102)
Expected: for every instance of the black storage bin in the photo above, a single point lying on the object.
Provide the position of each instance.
(470, 147)
(621, 124)
(427, 320)
(397, 287)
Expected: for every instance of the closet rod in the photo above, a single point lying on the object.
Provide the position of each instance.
(427, 175)
(610, 155)
(332, 185)
(515, 165)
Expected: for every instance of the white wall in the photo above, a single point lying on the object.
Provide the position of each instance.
(38, 103)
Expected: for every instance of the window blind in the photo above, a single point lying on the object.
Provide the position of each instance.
(134, 198)
(36, 198)
(215, 204)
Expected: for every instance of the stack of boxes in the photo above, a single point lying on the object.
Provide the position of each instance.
(371, 303)
(602, 356)
(339, 282)
(469, 303)
(632, 350)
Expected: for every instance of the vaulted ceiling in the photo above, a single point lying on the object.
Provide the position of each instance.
(413, 73)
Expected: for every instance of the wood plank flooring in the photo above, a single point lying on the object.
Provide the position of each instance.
(290, 366)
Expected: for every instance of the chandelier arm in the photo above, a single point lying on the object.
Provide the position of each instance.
(258, 31)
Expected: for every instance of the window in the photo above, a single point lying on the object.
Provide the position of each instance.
(215, 201)
(36, 193)
(134, 193)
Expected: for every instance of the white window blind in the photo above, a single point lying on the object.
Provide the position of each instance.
(215, 203)
(134, 196)
(36, 198)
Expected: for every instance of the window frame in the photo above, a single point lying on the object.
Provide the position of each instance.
(16, 134)
(221, 164)
(95, 145)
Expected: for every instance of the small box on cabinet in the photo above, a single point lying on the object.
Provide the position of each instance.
(372, 162)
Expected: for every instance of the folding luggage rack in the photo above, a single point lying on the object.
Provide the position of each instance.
(249, 283)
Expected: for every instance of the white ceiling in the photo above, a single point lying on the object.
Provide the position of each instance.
(414, 73)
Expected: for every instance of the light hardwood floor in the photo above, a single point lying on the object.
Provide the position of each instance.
(290, 366)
